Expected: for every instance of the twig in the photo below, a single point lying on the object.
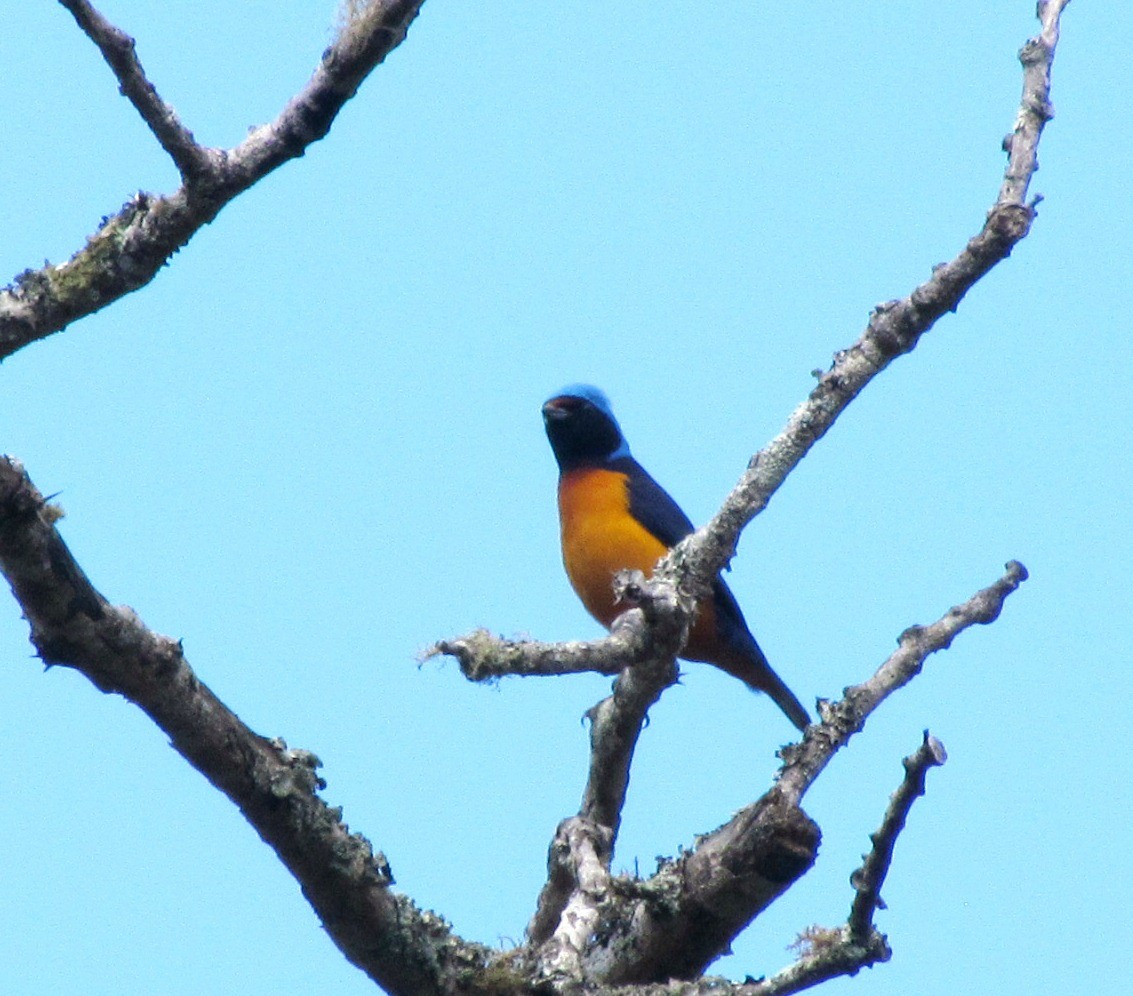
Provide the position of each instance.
(869, 879)
(484, 657)
(1035, 109)
(615, 726)
(841, 720)
(829, 954)
(858, 944)
(117, 49)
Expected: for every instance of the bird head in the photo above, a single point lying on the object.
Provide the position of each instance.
(581, 427)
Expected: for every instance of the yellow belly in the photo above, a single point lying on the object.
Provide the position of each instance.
(600, 538)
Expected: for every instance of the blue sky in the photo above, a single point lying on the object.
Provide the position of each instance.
(312, 446)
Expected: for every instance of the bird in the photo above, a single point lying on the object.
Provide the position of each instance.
(614, 516)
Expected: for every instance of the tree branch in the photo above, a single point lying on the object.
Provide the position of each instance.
(574, 896)
(678, 922)
(484, 657)
(348, 885)
(841, 720)
(640, 650)
(579, 888)
(590, 926)
(1035, 108)
(894, 328)
(858, 944)
(869, 879)
(117, 49)
(672, 925)
(773, 833)
(131, 246)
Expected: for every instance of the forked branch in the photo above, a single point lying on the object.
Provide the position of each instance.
(591, 929)
(894, 328)
(118, 50)
(132, 245)
(674, 924)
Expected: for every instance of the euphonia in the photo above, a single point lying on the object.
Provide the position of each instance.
(614, 516)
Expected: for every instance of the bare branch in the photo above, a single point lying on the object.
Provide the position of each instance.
(684, 917)
(1035, 109)
(641, 650)
(615, 725)
(803, 762)
(571, 905)
(590, 927)
(117, 49)
(828, 953)
(894, 328)
(676, 923)
(484, 657)
(869, 879)
(568, 899)
(131, 246)
(858, 944)
(397, 945)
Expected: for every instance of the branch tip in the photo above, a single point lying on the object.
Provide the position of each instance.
(869, 878)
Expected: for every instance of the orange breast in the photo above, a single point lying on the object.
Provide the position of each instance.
(600, 537)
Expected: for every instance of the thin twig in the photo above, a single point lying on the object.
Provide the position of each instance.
(869, 879)
(1035, 108)
(117, 49)
(858, 944)
(484, 657)
(803, 762)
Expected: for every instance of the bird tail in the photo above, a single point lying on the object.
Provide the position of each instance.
(751, 667)
(784, 698)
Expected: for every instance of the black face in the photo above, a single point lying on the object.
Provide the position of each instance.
(580, 432)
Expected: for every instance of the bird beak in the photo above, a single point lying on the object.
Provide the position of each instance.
(555, 409)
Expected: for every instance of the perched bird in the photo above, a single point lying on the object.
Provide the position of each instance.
(614, 516)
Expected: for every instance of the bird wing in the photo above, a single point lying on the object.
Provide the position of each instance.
(651, 505)
(737, 651)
